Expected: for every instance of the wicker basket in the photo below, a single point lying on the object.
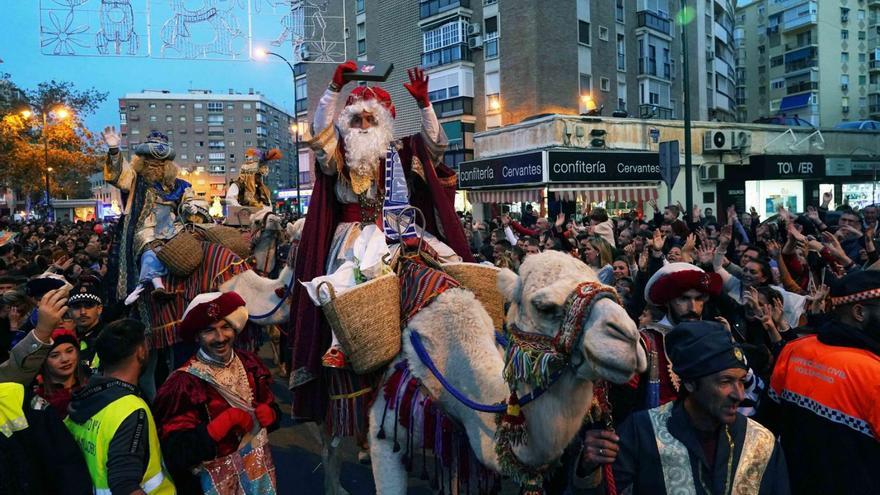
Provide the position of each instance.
(182, 254)
(366, 320)
(229, 237)
(482, 280)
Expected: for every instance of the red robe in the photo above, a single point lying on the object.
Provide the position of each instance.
(311, 334)
(185, 405)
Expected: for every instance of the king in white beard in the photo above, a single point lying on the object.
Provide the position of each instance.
(365, 147)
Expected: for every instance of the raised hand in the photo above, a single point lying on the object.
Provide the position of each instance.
(725, 236)
(418, 86)
(560, 219)
(52, 308)
(110, 137)
(658, 240)
(773, 249)
(705, 254)
(339, 79)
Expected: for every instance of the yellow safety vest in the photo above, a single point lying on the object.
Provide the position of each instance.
(96, 361)
(94, 438)
(12, 408)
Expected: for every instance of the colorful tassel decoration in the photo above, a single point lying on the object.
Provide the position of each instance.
(513, 423)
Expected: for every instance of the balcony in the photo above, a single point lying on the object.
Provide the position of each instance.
(430, 8)
(803, 64)
(650, 67)
(456, 106)
(447, 55)
(651, 20)
(874, 88)
(650, 111)
(874, 65)
(800, 22)
(874, 109)
(791, 46)
(801, 87)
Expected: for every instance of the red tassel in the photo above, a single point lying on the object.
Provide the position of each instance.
(514, 422)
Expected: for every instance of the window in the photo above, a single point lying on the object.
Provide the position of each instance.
(493, 92)
(584, 32)
(215, 119)
(844, 34)
(451, 33)
(302, 94)
(603, 33)
(199, 118)
(618, 11)
(182, 118)
(863, 80)
(135, 132)
(152, 105)
(844, 14)
(844, 57)
(844, 104)
(248, 131)
(183, 156)
(862, 35)
(215, 106)
(168, 118)
(230, 106)
(152, 118)
(621, 52)
(182, 106)
(863, 58)
(199, 158)
(231, 130)
(776, 61)
(361, 38)
(184, 144)
(132, 107)
(777, 83)
(490, 44)
(604, 84)
(359, 6)
(197, 106)
(246, 106)
(844, 82)
(231, 144)
(585, 84)
(122, 118)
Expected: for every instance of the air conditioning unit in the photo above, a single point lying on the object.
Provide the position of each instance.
(718, 140)
(475, 43)
(712, 172)
(742, 140)
(474, 29)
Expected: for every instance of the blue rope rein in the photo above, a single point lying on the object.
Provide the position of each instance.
(497, 408)
(287, 291)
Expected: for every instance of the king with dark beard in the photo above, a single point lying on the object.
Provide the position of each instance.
(365, 178)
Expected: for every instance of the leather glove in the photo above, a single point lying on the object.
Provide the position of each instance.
(338, 76)
(231, 418)
(265, 415)
(110, 137)
(418, 86)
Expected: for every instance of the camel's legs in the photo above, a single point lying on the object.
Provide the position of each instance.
(389, 472)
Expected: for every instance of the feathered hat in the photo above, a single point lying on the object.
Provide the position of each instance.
(156, 147)
(254, 157)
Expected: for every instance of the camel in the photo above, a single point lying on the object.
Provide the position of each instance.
(266, 234)
(456, 329)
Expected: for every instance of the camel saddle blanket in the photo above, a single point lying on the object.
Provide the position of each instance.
(453, 468)
(419, 286)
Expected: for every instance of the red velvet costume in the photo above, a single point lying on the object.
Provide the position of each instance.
(184, 406)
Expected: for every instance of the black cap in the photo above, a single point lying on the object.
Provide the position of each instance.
(38, 287)
(856, 286)
(84, 293)
(700, 348)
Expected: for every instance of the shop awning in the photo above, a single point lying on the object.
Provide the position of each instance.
(794, 101)
(596, 193)
(533, 195)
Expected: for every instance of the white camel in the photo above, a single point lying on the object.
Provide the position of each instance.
(262, 295)
(459, 336)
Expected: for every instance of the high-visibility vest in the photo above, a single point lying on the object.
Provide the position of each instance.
(94, 438)
(12, 417)
(96, 361)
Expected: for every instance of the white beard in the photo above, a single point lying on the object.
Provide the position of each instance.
(365, 148)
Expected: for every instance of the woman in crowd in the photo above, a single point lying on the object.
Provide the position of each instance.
(62, 374)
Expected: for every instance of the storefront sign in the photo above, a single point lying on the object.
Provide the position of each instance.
(527, 168)
(838, 166)
(788, 166)
(590, 166)
(866, 166)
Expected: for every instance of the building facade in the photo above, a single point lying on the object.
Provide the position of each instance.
(210, 133)
(789, 50)
(494, 63)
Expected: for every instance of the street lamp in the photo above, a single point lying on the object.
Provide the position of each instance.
(61, 113)
(262, 53)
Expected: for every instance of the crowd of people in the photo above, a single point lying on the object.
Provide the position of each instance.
(776, 322)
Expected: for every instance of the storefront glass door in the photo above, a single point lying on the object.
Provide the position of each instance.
(766, 195)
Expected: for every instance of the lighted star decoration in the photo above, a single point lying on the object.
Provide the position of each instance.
(63, 35)
(216, 209)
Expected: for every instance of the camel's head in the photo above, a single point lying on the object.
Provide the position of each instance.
(608, 348)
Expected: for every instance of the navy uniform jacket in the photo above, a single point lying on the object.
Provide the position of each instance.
(638, 469)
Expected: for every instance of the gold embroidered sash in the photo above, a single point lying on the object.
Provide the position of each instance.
(675, 459)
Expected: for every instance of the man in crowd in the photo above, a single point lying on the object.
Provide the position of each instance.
(825, 390)
(215, 410)
(699, 443)
(86, 307)
(112, 424)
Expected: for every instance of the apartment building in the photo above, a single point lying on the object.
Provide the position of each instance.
(789, 50)
(211, 132)
(496, 62)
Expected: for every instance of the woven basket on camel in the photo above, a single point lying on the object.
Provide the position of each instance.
(182, 254)
(229, 237)
(482, 280)
(366, 320)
